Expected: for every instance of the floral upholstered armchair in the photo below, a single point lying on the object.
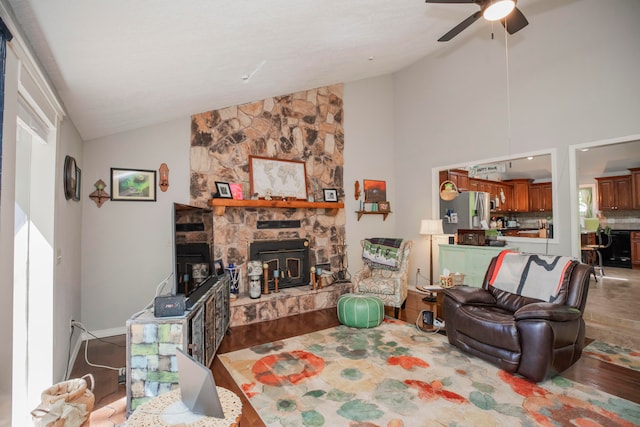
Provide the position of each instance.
(385, 272)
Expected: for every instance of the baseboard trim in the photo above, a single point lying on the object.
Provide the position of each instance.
(103, 333)
(84, 336)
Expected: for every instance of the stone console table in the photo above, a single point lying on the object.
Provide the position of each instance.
(287, 302)
(152, 341)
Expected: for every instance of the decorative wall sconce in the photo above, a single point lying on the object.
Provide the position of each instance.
(99, 196)
(164, 177)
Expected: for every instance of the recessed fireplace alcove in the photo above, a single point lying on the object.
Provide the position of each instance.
(295, 294)
(290, 257)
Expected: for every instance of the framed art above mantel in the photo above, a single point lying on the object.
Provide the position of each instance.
(278, 178)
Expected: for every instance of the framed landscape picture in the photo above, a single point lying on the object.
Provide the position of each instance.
(133, 185)
(375, 191)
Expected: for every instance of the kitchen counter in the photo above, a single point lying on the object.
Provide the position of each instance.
(522, 232)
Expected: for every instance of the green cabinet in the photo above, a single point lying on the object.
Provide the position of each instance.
(472, 261)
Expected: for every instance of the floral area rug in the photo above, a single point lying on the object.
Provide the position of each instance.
(613, 354)
(394, 375)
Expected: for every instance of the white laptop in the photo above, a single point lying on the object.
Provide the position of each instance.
(197, 386)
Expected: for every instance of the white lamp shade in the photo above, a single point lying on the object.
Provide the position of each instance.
(431, 226)
(498, 9)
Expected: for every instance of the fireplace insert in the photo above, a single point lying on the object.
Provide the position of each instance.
(290, 256)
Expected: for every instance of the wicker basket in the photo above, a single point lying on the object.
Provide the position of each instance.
(446, 281)
(458, 279)
(68, 403)
(451, 280)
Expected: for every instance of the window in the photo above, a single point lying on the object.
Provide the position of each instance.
(585, 201)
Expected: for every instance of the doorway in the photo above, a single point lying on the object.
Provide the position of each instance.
(597, 159)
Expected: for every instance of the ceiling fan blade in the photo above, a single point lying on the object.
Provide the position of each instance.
(461, 26)
(515, 21)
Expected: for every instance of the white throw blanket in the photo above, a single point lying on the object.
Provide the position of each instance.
(530, 275)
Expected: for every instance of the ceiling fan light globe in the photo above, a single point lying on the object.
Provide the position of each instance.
(498, 9)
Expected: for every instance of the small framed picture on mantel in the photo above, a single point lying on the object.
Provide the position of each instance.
(330, 194)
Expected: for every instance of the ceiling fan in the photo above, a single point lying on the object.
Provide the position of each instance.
(492, 10)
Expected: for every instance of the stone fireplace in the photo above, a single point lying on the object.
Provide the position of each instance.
(304, 126)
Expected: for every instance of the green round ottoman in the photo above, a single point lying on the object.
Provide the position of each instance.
(360, 310)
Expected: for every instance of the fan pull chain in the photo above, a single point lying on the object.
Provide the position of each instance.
(506, 50)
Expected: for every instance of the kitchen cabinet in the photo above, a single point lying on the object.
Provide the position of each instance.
(588, 238)
(614, 192)
(474, 184)
(635, 188)
(540, 197)
(635, 249)
(472, 261)
(506, 191)
(459, 177)
(504, 194)
(520, 194)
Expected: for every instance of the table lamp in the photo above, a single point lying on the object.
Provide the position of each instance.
(431, 227)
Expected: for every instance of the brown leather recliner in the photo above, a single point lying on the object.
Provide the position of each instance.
(521, 335)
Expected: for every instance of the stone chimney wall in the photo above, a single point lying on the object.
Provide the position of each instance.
(304, 126)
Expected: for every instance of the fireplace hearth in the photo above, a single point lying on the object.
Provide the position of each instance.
(290, 257)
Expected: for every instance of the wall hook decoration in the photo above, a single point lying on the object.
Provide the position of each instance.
(164, 177)
(99, 196)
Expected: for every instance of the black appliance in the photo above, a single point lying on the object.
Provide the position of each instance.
(618, 253)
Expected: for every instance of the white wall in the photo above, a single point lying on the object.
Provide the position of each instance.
(126, 246)
(567, 87)
(67, 289)
(368, 154)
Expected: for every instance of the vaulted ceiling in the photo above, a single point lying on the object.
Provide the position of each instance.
(119, 65)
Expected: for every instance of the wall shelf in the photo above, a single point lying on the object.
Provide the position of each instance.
(384, 214)
(219, 205)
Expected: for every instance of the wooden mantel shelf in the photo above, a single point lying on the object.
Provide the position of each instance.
(219, 205)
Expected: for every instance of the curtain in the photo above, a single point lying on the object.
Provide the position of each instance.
(5, 36)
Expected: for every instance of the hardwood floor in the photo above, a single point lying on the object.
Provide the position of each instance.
(621, 382)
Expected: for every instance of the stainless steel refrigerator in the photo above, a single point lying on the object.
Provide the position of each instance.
(471, 209)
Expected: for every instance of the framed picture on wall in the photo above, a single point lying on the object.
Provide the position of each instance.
(131, 185)
(76, 196)
(374, 190)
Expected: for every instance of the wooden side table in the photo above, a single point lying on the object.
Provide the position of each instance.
(168, 410)
(435, 306)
